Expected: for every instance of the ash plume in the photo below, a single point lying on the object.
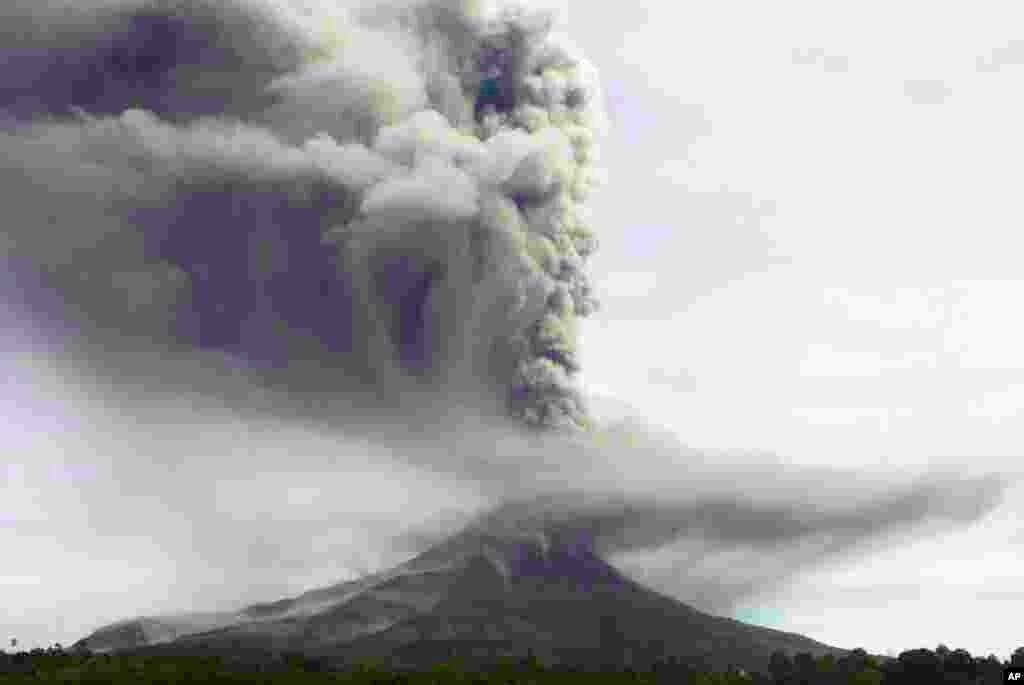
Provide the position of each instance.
(392, 194)
(366, 221)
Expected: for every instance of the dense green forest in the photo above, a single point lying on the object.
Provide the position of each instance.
(941, 665)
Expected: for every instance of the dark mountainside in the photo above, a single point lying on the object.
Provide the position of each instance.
(477, 596)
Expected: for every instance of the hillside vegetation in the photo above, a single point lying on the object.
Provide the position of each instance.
(941, 666)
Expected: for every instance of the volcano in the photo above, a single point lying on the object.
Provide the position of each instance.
(483, 594)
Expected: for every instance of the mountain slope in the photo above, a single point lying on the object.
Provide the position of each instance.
(478, 595)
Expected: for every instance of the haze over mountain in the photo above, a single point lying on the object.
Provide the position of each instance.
(489, 591)
(267, 263)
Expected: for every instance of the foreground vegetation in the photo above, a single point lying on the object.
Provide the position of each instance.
(941, 666)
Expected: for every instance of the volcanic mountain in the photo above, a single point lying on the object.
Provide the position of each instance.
(484, 593)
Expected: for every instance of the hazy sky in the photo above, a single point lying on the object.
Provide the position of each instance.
(805, 251)
(825, 267)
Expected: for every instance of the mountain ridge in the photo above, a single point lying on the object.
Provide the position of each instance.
(480, 594)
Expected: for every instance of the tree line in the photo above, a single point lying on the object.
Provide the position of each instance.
(941, 666)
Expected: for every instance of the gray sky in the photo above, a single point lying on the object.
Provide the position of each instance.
(827, 270)
(804, 253)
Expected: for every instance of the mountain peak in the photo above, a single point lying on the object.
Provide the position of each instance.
(513, 582)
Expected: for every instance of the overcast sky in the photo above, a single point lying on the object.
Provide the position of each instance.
(806, 251)
(826, 268)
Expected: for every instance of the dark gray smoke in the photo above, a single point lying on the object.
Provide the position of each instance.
(366, 220)
(372, 202)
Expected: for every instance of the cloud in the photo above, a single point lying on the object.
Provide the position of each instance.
(735, 528)
(324, 207)
(927, 91)
(268, 247)
(678, 380)
(825, 360)
(1009, 54)
(830, 63)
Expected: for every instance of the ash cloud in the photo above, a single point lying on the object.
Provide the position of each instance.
(366, 221)
(391, 194)
(722, 527)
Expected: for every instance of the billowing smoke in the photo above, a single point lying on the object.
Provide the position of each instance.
(365, 220)
(392, 195)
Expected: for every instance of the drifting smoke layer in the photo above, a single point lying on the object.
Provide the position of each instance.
(387, 198)
(378, 212)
